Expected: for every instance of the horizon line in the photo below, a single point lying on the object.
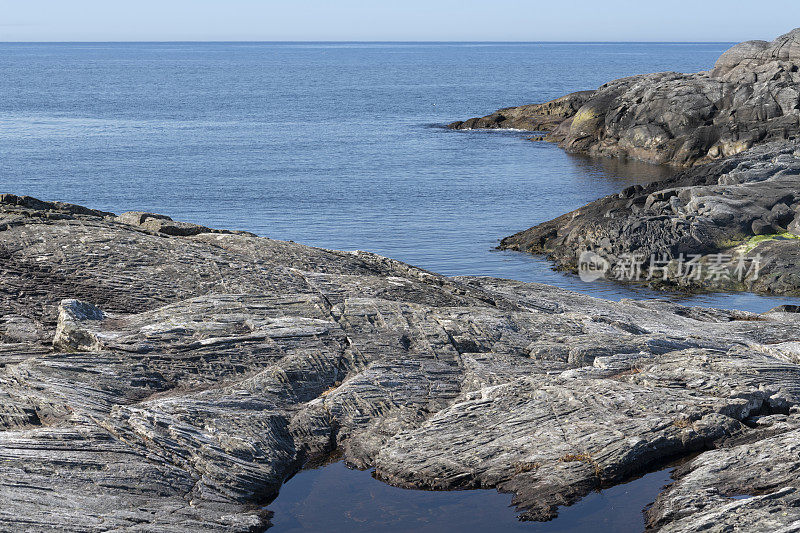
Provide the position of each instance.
(342, 41)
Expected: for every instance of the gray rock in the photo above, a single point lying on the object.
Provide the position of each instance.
(751, 487)
(750, 97)
(535, 117)
(152, 382)
(743, 208)
(164, 224)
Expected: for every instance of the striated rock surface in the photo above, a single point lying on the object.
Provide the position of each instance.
(736, 221)
(750, 487)
(172, 381)
(751, 96)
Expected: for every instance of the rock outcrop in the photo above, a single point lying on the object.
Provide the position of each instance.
(533, 117)
(749, 487)
(731, 225)
(751, 96)
(159, 382)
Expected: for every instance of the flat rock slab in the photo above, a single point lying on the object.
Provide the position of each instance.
(154, 380)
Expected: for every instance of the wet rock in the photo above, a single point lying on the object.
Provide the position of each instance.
(752, 487)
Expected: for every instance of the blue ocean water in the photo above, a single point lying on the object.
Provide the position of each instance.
(338, 145)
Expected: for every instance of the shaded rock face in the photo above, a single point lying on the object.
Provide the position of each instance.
(534, 117)
(154, 382)
(743, 208)
(751, 96)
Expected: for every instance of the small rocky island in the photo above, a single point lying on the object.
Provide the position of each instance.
(162, 376)
(731, 220)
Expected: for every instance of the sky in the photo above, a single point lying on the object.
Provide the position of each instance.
(389, 20)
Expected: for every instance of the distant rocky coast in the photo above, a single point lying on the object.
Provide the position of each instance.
(731, 221)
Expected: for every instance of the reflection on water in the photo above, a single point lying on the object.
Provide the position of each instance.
(617, 168)
(537, 269)
(337, 499)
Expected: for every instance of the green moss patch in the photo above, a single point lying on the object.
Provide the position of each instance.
(758, 239)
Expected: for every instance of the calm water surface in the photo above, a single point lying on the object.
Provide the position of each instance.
(333, 145)
(339, 146)
(366, 505)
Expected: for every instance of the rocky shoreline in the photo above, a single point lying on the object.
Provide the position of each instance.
(731, 225)
(750, 97)
(730, 221)
(157, 375)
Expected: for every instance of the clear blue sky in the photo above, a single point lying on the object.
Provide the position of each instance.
(445, 20)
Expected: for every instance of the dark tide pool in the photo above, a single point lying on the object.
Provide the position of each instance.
(336, 499)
